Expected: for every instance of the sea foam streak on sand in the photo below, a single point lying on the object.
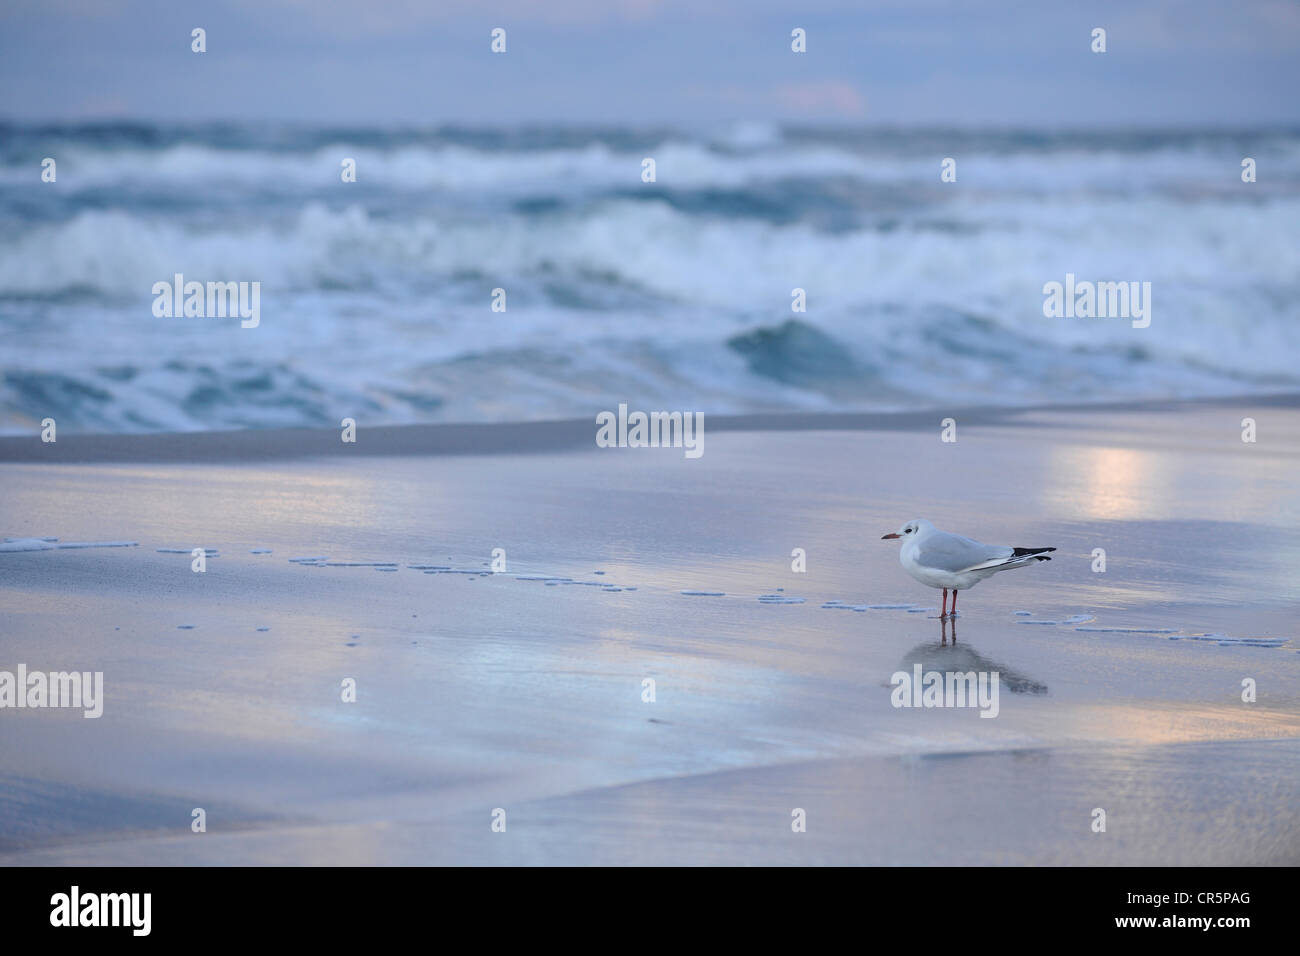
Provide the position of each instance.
(53, 544)
(1072, 619)
(26, 544)
(841, 606)
(548, 579)
(1222, 640)
(909, 608)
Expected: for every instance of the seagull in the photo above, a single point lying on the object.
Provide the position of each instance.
(941, 560)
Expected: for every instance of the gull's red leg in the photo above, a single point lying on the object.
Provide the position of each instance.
(944, 612)
(954, 602)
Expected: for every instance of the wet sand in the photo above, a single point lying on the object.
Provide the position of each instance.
(523, 691)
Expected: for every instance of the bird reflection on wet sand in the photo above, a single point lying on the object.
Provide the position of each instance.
(946, 656)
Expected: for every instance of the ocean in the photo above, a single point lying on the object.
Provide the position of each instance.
(376, 296)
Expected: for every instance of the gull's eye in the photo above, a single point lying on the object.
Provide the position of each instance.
(907, 531)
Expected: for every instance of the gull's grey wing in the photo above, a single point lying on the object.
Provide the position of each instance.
(952, 552)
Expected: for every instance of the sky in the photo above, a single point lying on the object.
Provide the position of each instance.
(1169, 63)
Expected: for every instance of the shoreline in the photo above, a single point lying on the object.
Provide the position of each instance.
(527, 437)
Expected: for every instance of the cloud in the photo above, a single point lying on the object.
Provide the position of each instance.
(812, 99)
(345, 17)
(657, 61)
(822, 98)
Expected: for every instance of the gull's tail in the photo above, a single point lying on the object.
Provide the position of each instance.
(1030, 553)
(1018, 558)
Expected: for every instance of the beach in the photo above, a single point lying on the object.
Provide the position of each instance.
(518, 696)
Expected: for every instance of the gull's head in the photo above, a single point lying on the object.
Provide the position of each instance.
(910, 530)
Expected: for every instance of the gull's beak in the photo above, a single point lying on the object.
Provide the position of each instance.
(886, 537)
